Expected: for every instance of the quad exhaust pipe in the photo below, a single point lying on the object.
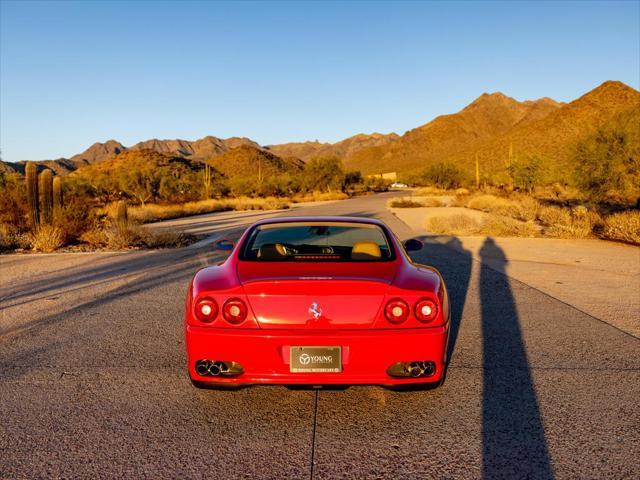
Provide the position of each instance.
(217, 368)
(415, 369)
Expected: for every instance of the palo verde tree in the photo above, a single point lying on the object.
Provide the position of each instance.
(323, 174)
(608, 162)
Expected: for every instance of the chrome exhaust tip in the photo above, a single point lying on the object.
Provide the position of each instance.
(209, 368)
(202, 368)
(415, 369)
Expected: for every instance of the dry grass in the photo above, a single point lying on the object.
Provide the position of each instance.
(578, 222)
(490, 204)
(524, 208)
(500, 226)
(405, 203)
(319, 197)
(156, 212)
(130, 236)
(166, 239)
(47, 239)
(425, 191)
(409, 202)
(457, 224)
(96, 238)
(494, 225)
(624, 227)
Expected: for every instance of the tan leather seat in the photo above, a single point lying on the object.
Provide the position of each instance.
(365, 250)
(271, 251)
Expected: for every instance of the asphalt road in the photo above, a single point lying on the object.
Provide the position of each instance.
(93, 383)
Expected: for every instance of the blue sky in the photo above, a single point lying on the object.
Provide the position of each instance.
(73, 73)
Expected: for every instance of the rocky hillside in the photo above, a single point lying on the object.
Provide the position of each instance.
(197, 150)
(247, 161)
(487, 117)
(493, 124)
(344, 148)
(487, 129)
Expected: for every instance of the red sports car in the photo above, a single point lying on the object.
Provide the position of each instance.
(317, 301)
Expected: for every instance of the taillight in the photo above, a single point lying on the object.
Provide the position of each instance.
(426, 310)
(234, 311)
(206, 310)
(396, 311)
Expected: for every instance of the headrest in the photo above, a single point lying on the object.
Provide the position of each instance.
(271, 251)
(365, 251)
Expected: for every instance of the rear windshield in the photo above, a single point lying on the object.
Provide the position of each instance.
(317, 242)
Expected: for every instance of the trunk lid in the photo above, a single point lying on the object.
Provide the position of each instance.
(311, 295)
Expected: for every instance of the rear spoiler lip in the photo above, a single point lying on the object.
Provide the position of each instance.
(386, 281)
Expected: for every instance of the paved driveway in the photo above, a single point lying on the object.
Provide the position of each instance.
(93, 382)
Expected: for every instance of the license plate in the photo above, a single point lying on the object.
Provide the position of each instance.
(315, 359)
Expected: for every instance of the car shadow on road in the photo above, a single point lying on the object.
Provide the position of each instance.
(513, 438)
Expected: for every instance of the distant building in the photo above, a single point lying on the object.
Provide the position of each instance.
(387, 176)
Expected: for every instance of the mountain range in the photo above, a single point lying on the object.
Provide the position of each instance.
(487, 129)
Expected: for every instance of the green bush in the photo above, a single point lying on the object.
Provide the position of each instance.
(443, 175)
(608, 162)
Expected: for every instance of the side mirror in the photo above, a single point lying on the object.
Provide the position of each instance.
(224, 245)
(413, 245)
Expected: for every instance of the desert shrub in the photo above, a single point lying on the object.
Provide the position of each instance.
(13, 201)
(165, 239)
(12, 238)
(152, 212)
(524, 208)
(47, 238)
(75, 218)
(95, 237)
(457, 224)
(324, 174)
(319, 197)
(460, 192)
(353, 178)
(623, 226)
(607, 162)
(432, 202)
(271, 203)
(376, 184)
(578, 222)
(527, 173)
(490, 203)
(551, 215)
(444, 175)
(121, 238)
(405, 203)
(501, 226)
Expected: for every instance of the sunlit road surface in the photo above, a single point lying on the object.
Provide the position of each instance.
(93, 382)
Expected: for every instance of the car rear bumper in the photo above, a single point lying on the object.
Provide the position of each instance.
(366, 354)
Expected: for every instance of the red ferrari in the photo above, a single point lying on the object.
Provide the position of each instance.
(317, 301)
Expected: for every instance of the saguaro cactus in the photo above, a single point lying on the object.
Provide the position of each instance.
(57, 193)
(206, 180)
(31, 177)
(46, 197)
(121, 216)
(57, 198)
(477, 173)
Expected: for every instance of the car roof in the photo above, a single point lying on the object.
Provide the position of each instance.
(320, 219)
